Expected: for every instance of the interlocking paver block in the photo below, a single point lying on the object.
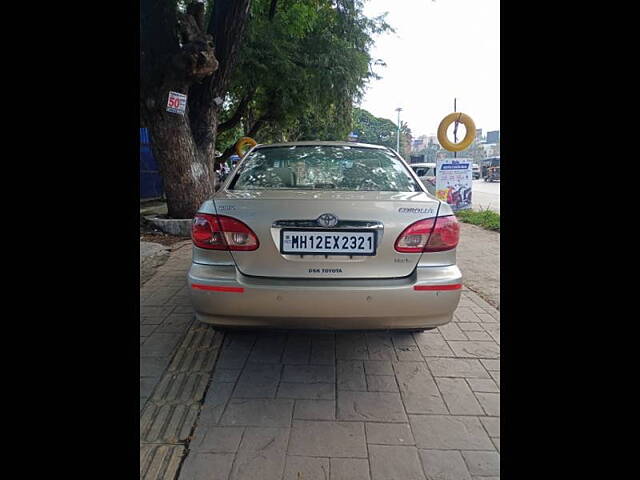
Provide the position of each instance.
(351, 346)
(433, 345)
(297, 350)
(351, 375)
(444, 465)
(378, 367)
(323, 349)
(380, 347)
(490, 402)
(483, 463)
(160, 345)
(475, 298)
(479, 336)
(382, 383)
(235, 352)
(450, 331)
(475, 349)
(216, 439)
(406, 348)
(315, 410)
(491, 425)
(459, 397)
(261, 454)
(393, 462)
(449, 432)
(419, 391)
(470, 327)
(486, 318)
(491, 365)
(151, 320)
(153, 366)
(465, 315)
(226, 374)
(389, 433)
(183, 308)
(306, 468)
(307, 391)
(147, 384)
(215, 402)
(457, 367)
(176, 323)
(146, 330)
(493, 329)
(258, 380)
(157, 311)
(258, 412)
(327, 439)
(309, 374)
(268, 349)
(483, 385)
(370, 406)
(349, 469)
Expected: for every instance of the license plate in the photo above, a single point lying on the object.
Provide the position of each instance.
(328, 242)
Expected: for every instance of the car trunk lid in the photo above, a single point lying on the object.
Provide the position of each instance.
(267, 212)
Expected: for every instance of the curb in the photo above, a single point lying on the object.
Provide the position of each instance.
(179, 227)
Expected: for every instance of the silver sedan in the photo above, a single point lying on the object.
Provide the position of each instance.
(324, 235)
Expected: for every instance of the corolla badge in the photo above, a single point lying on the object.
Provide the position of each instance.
(327, 220)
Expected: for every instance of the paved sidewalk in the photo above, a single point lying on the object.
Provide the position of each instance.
(478, 256)
(292, 405)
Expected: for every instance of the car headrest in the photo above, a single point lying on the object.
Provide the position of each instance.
(286, 175)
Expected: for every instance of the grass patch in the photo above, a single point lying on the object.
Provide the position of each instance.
(484, 218)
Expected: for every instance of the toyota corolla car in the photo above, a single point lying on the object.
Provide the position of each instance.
(324, 235)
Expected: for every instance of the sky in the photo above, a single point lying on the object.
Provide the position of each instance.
(441, 49)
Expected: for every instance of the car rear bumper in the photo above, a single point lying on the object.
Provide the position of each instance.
(224, 297)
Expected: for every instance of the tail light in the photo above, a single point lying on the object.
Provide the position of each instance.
(219, 232)
(430, 235)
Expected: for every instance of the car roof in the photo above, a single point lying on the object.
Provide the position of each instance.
(319, 142)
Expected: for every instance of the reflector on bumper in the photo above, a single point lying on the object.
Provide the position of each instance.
(217, 288)
(455, 286)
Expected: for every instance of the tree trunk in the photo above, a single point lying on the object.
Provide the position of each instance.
(188, 173)
(177, 54)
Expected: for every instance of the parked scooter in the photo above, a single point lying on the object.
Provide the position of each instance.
(466, 194)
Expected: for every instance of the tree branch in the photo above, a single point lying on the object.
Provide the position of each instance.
(272, 9)
(238, 114)
(227, 25)
(261, 122)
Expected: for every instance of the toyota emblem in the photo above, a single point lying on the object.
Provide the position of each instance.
(327, 220)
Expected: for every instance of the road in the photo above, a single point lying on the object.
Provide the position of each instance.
(486, 195)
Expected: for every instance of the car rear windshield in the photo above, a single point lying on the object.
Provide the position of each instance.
(322, 167)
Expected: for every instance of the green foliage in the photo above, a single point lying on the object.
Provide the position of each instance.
(380, 131)
(484, 218)
(303, 69)
(370, 129)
